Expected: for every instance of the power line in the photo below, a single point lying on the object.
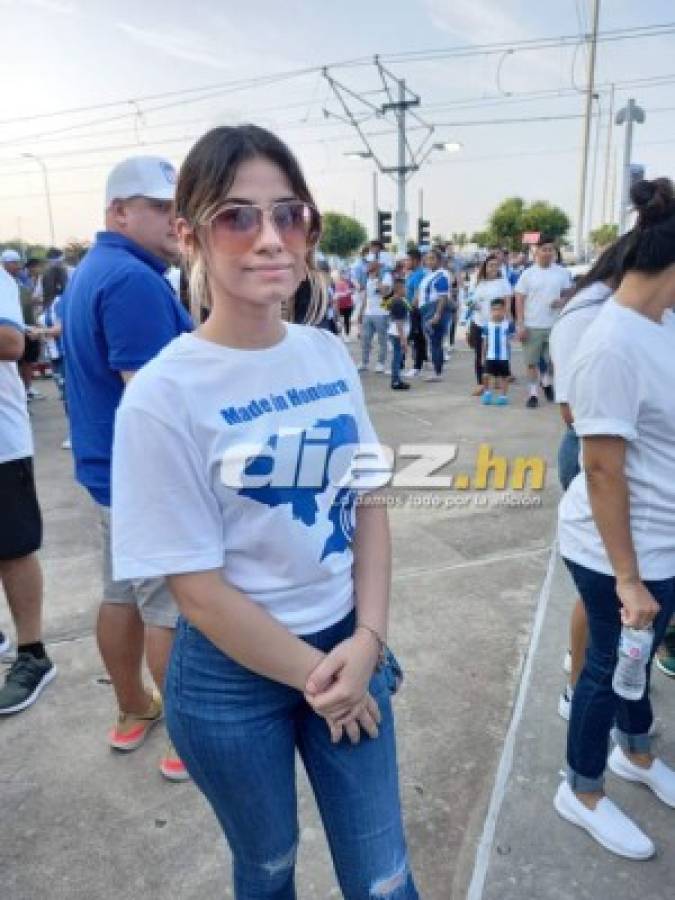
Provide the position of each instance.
(633, 32)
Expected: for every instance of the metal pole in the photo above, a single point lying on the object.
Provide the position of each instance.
(625, 175)
(580, 242)
(608, 215)
(48, 198)
(401, 213)
(421, 204)
(375, 207)
(612, 198)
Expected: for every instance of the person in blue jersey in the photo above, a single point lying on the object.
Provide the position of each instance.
(434, 304)
(118, 312)
(231, 466)
(418, 339)
(497, 334)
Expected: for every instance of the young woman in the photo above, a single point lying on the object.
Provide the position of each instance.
(590, 293)
(232, 453)
(490, 285)
(617, 524)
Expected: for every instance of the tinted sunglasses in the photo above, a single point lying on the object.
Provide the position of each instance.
(236, 227)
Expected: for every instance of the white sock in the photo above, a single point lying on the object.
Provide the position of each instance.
(533, 390)
(545, 380)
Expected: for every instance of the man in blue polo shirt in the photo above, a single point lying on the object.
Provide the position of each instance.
(118, 313)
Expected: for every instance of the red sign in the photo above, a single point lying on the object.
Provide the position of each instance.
(531, 237)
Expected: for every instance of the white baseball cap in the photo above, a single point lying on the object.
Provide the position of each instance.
(141, 176)
(10, 256)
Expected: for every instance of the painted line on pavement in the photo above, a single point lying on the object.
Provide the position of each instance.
(477, 885)
(469, 564)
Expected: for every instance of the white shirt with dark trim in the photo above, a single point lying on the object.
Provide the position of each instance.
(622, 384)
(16, 439)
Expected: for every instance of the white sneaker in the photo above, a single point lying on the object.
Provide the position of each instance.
(567, 662)
(379, 368)
(565, 703)
(606, 823)
(431, 378)
(411, 373)
(66, 445)
(659, 777)
(362, 368)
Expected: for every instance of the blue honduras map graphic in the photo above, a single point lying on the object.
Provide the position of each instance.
(303, 500)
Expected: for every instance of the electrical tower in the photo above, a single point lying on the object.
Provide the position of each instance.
(400, 105)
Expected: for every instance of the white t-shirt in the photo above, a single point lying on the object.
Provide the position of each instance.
(568, 331)
(176, 506)
(623, 384)
(541, 288)
(374, 297)
(16, 439)
(484, 293)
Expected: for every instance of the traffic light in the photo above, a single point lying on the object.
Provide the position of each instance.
(423, 232)
(384, 227)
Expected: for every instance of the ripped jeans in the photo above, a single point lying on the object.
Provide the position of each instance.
(237, 733)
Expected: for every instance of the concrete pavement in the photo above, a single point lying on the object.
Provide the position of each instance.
(84, 822)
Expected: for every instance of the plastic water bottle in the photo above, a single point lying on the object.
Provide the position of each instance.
(630, 674)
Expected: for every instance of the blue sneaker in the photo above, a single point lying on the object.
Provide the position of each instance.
(486, 398)
(502, 401)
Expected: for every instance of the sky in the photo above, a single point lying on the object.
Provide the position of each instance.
(132, 67)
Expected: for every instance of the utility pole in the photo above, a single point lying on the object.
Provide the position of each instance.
(420, 204)
(403, 169)
(580, 248)
(376, 208)
(626, 116)
(608, 214)
(400, 107)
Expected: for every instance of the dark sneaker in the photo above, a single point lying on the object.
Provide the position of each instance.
(400, 386)
(5, 643)
(25, 680)
(532, 402)
(548, 393)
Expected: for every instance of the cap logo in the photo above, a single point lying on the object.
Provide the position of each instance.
(169, 172)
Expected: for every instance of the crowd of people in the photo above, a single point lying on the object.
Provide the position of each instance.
(255, 602)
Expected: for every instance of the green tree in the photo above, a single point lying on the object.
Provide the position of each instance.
(341, 234)
(481, 238)
(604, 235)
(512, 217)
(545, 218)
(505, 225)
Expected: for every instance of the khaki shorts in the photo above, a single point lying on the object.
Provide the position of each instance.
(152, 595)
(536, 346)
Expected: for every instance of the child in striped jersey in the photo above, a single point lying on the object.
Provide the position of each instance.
(497, 336)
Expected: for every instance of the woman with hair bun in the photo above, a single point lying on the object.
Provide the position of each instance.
(232, 476)
(617, 519)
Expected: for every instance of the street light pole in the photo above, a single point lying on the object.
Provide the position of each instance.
(48, 198)
(627, 116)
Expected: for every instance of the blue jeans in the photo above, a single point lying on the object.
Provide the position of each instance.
(374, 325)
(396, 358)
(237, 733)
(436, 333)
(595, 706)
(568, 458)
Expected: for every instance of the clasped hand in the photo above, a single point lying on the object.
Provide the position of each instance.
(337, 689)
